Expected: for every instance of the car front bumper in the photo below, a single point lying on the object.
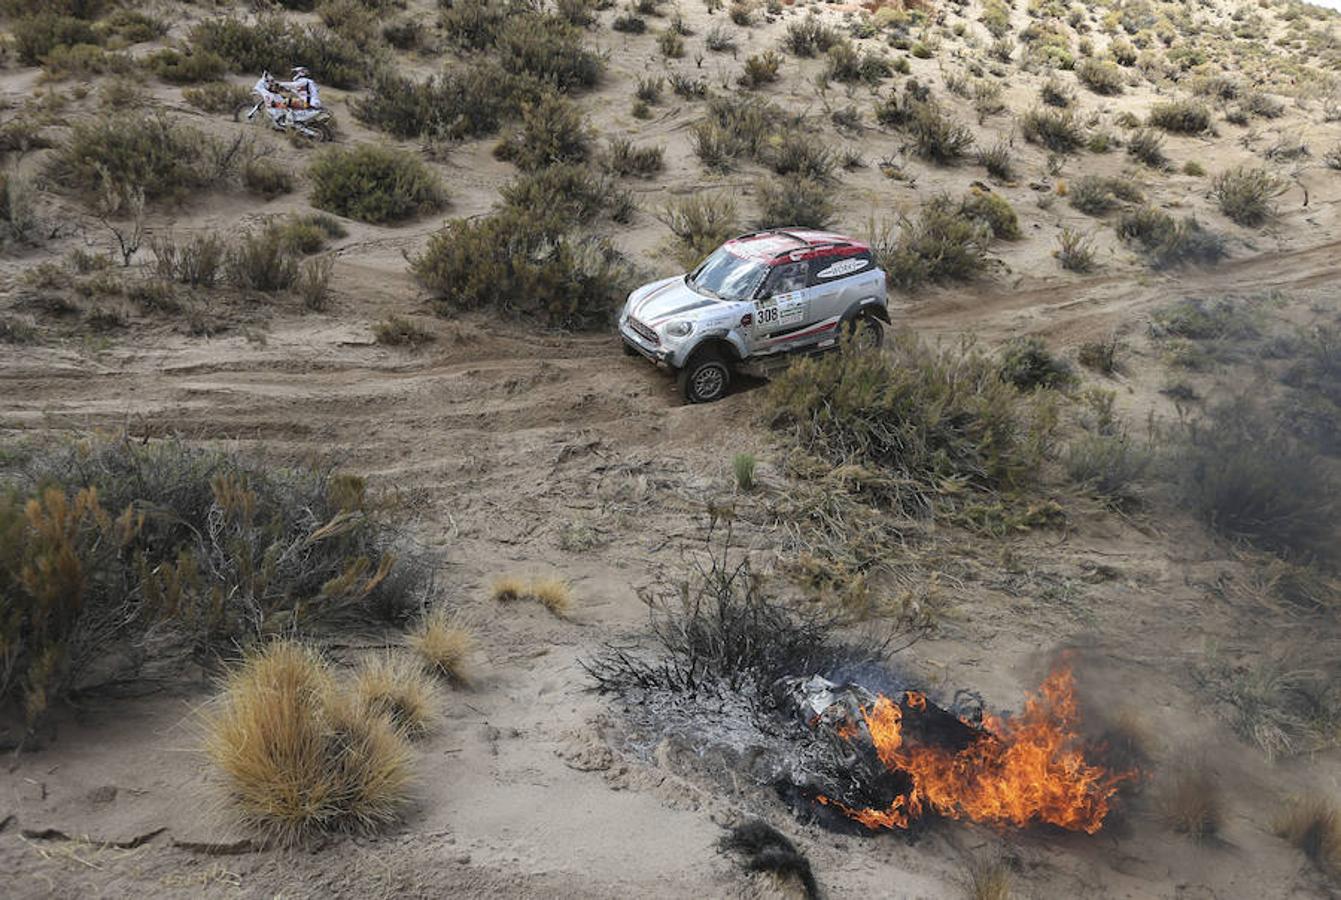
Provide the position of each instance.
(655, 353)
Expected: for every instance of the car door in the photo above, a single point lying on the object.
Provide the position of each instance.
(833, 284)
(782, 309)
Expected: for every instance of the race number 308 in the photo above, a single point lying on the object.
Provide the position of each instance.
(768, 315)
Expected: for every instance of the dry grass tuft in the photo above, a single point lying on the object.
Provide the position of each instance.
(508, 588)
(444, 646)
(1313, 825)
(397, 688)
(297, 756)
(989, 880)
(555, 594)
(1191, 804)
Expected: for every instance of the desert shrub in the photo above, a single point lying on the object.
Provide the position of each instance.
(511, 263)
(718, 630)
(1256, 103)
(259, 261)
(1180, 117)
(465, 103)
(84, 61)
(937, 136)
(308, 234)
(689, 88)
(1207, 320)
(475, 24)
(671, 44)
(272, 43)
(443, 646)
(1060, 132)
(993, 209)
(114, 554)
(1027, 363)
(552, 131)
(313, 283)
(1190, 804)
(720, 40)
(849, 66)
(1240, 468)
(910, 423)
(742, 469)
(940, 244)
(36, 36)
(403, 34)
(649, 88)
(1313, 826)
(188, 67)
(1075, 251)
(741, 12)
(629, 24)
(734, 127)
(1095, 195)
(1147, 147)
(18, 218)
(760, 69)
(1247, 195)
(133, 26)
(797, 152)
(701, 222)
(1100, 77)
(1167, 241)
(112, 158)
(623, 159)
(560, 195)
(997, 161)
(1111, 465)
(266, 178)
(398, 331)
(795, 201)
(809, 36)
(298, 755)
(374, 184)
(217, 96)
(196, 262)
(549, 50)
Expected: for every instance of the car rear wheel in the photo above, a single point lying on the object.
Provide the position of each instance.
(865, 333)
(705, 378)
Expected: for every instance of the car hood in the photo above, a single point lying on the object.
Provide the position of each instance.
(659, 301)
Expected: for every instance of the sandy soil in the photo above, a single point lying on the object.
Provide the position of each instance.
(504, 438)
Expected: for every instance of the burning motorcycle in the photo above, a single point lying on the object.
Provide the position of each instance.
(286, 111)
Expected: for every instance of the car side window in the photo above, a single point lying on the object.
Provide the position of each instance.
(786, 278)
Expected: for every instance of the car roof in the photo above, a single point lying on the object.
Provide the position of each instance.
(775, 246)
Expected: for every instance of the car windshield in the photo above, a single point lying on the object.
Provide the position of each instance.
(727, 277)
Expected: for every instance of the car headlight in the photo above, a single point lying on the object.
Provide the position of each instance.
(679, 329)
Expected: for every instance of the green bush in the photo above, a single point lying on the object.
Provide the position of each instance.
(629, 24)
(1075, 251)
(795, 201)
(1054, 93)
(1247, 195)
(259, 261)
(471, 102)
(918, 429)
(809, 36)
(113, 158)
(560, 195)
(1147, 147)
(937, 136)
(1060, 132)
(265, 178)
(217, 96)
(116, 552)
(550, 51)
(1110, 465)
(941, 244)
(798, 152)
(273, 43)
(993, 209)
(1242, 471)
(197, 262)
(624, 159)
(1100, 77)
(760, 69)
(374, 184)
(84, 61)
(187, 68)
(1095, 195)
(1180, 117)
(997, 161)
(475, 24)
(552, 131)
(36, 36)
(1169, 242)
(1027, 363)
(701, 223)
(518, 267)
(850, 67)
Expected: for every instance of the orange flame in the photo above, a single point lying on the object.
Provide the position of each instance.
(1021, 771)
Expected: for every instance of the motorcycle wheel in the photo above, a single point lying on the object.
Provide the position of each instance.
(325, 133)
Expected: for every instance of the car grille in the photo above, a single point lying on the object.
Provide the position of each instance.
(643, 331)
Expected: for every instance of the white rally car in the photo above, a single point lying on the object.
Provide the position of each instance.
(756, 301)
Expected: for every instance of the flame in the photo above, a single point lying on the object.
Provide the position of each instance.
(1020, 771)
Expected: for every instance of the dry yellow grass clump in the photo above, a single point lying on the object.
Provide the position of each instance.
(444, 646)
(297, 755)
(1313, 824)
(396, 687)
(554, 594)
(989, 881)
(1191, 804)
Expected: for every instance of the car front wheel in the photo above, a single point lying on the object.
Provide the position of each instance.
(705, 378)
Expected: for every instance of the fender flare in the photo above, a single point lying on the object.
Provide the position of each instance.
(873, 306)
(729, 339)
